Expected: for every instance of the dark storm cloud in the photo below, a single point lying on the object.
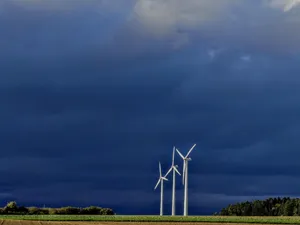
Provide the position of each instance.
(91, 103)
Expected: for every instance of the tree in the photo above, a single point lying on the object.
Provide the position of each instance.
(11, 207)
(288, 208)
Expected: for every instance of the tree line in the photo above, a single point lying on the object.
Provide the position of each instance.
(13, 208)
(268, 207)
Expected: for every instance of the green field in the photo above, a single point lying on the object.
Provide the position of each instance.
(264, 220)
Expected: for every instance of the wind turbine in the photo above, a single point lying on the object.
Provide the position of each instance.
(161, 181)
(185, 159)
(174, 168)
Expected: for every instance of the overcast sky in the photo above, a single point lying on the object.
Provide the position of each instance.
(94, 93)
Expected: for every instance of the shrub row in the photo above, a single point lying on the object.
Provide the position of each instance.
(13, 208)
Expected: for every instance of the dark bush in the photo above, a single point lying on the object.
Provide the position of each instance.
(106, 211)
(52, 211)
(68, 210)
(12, 208)
(33, 210)
(91, 210)
(44, 211)
(22, 210)
(37, 211)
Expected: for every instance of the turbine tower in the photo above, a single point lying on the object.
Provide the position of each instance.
(174, 168)
(185, 159)
(161, 181)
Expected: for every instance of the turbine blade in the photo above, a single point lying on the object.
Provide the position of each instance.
(183, 173)
(164, 178)
(180, 153)
(176, 170)
(173, 158)
(190, 150)
(169, 171)
(157, 184)
(160, 170)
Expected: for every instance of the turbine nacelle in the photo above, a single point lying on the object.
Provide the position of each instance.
(185, 160)
(173, 166)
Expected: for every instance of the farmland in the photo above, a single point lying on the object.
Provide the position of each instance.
(22, 222)
(144, 220)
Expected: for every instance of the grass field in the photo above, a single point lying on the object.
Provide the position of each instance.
(207, 219)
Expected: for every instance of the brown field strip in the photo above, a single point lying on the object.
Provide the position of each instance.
(22, 222)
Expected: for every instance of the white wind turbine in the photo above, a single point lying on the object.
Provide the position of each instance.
(185, 159)
(174, 168)
(161, 181)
